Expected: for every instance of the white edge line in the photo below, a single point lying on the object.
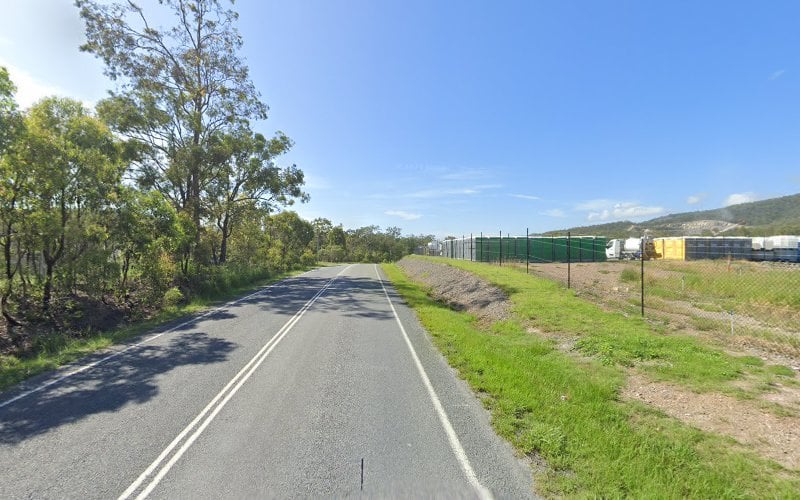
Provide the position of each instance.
(452, 437)
(134, 346)
(250, 368)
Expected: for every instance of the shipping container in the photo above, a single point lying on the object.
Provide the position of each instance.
(701, 248)
(670, 248)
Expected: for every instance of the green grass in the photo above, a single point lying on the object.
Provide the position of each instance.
(54, 350)
(742, 283)
(614, 339)
(567, 410)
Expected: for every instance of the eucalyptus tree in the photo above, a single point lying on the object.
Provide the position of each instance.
(12, 185)
(74, 164)
(248, 177)
(291, 237)
(178, 88)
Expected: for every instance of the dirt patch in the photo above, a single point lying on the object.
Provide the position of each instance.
(770, 435)
(460, 290)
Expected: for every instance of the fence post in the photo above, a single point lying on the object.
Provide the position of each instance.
(471, 248)
(482, 246)
(643, 252)
(527, 248)
(463, 247)
(569, 259)
(501, 248)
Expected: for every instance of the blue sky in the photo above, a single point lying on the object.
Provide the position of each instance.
(456, 117)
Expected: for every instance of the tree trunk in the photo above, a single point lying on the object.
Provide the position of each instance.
(48, 285)
(223, 248)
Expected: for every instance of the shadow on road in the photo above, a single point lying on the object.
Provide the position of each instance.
(129, 378)
(348, 296)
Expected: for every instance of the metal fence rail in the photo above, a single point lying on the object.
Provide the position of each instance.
(532, 249)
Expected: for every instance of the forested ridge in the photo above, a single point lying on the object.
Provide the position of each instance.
(161, 193)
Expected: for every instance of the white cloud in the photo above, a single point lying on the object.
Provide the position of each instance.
(526, 197)
(438, 193)
(634, 210)
(29, 88)
(737, 198)
(595, 216)
(593, 205)
(777, 74)
(402, 214)
(554, 212)
(696, 198)
(602, 210)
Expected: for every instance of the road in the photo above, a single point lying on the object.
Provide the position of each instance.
(324, 384)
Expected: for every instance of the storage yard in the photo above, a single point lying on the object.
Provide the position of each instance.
(542, 249)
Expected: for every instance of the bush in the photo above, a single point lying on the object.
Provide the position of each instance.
(172, 297)
(308, 258)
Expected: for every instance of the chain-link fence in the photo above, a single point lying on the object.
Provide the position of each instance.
(739, 291)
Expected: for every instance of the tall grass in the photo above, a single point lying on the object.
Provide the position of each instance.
(567, 410)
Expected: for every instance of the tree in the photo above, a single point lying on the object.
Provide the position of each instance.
(13, 181)
(10, 118)
(142, 224)
(73, 163)
(248, 177)
(322, 227)
(291, 236)
(179, 88)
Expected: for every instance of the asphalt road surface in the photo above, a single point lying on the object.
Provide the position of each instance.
(321, 385)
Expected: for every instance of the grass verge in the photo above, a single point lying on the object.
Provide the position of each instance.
(53, 351)
(566, 410)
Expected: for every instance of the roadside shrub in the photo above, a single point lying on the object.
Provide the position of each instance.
(172, 297)
(308, 258)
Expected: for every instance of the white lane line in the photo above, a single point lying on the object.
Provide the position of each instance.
(452, 437)
(133, 346)
(237, 381)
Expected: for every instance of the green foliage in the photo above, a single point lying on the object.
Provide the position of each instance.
(172, 297)
(201, 218)
(366, 244)
(184, 100)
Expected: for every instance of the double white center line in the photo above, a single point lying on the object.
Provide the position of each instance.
(156, 471)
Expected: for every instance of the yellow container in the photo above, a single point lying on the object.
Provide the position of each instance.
(670, 248)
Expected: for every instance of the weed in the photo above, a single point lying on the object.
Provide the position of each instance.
(629, 275)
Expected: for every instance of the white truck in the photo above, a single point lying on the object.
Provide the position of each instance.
(629, 248)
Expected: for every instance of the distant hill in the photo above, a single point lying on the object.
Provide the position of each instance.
(758, 218)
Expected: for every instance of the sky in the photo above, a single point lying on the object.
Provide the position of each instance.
(459, 117)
